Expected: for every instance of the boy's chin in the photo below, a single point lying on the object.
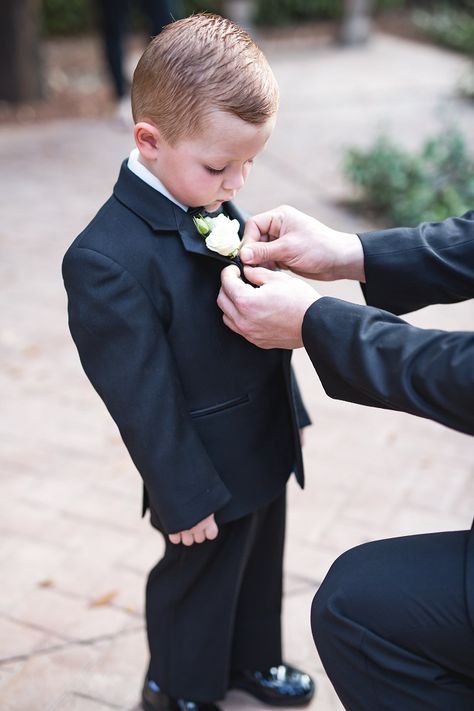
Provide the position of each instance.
(213, 206)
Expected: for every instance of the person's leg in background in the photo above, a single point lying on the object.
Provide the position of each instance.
(157, 13)
(391, 622)
(113, 19)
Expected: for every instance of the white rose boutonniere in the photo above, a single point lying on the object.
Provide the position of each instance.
(221, 233)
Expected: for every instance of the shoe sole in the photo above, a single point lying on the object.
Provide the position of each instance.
(286, 703)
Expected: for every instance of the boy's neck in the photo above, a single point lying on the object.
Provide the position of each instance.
(141, 167)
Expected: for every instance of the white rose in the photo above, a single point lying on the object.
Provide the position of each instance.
(224, 236)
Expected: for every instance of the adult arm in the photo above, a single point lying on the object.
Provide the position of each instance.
(403, 269)
(408, 268)
(361, 354)
(124, 351)
(372, 357)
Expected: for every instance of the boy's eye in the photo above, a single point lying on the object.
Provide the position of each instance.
(214, 171)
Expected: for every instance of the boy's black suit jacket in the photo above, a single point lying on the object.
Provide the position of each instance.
(209, 420)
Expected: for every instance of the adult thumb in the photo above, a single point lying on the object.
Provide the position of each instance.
(260, 252)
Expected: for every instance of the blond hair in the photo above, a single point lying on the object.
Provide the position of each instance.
(198, 65)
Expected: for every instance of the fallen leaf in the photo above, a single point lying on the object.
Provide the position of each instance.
(32, 351)
(104, 599)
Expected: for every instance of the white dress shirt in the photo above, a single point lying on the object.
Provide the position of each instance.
(148, 177)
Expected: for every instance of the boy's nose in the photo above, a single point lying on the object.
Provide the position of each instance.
(234, 180)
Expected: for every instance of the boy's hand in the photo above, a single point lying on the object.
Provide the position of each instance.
(204, 530)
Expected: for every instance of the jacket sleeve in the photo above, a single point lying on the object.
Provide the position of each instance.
(371, 357)
(124, 351)
(407, 269)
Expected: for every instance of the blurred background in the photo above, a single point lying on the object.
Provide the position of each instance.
(376, 127)
(75, 58)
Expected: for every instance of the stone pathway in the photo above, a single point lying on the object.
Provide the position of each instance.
(74, 552)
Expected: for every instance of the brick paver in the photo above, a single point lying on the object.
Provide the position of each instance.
(71, 536)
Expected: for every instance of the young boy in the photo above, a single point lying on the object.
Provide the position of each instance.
(208, 419)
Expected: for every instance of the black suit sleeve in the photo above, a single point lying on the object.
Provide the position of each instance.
(408, 268)
(124, 352)
(371, 357)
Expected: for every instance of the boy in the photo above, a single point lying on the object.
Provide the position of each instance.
(208, 419)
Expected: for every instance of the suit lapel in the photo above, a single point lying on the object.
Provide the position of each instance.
(163, 215)
(194, 242)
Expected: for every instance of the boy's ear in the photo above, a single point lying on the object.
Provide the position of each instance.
(147, 139)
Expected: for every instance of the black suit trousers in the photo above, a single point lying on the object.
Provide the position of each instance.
(391, 624)
(215, 607)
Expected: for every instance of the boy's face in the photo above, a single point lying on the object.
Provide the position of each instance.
(211, 167)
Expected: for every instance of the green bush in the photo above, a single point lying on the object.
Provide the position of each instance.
(280, 12)
(62, 17)
(66, 17)
(190, 6)
(405, 189)
(72, 17)
(451, 27)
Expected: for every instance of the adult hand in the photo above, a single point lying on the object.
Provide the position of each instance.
(204, 530)
(271, 316)
(300, 243)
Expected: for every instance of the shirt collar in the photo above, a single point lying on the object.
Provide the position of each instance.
(148, 177)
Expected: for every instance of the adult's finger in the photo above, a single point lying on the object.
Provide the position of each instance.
(232, 284)
(227, 306)
(259, 226)
(175, 538)
(261, 275)
(261, 252)
(231, 324)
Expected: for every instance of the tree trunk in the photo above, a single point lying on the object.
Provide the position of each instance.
(356, 23)
(20, 67)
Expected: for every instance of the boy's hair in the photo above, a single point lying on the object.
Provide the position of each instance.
(198, 65)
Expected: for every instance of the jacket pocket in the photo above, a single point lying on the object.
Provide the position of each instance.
(202, 412)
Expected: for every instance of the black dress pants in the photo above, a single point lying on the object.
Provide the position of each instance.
(391, 622)
(215, 607)
(114, 22)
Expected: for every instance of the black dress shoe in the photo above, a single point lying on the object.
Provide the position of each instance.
(278, 686)
(153, 699)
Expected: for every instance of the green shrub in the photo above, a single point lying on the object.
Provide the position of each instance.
(72, 17)
(405, 189)
(280, 12)
(66, 17)
(189, 6)
(62, 17)
(450, 27)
